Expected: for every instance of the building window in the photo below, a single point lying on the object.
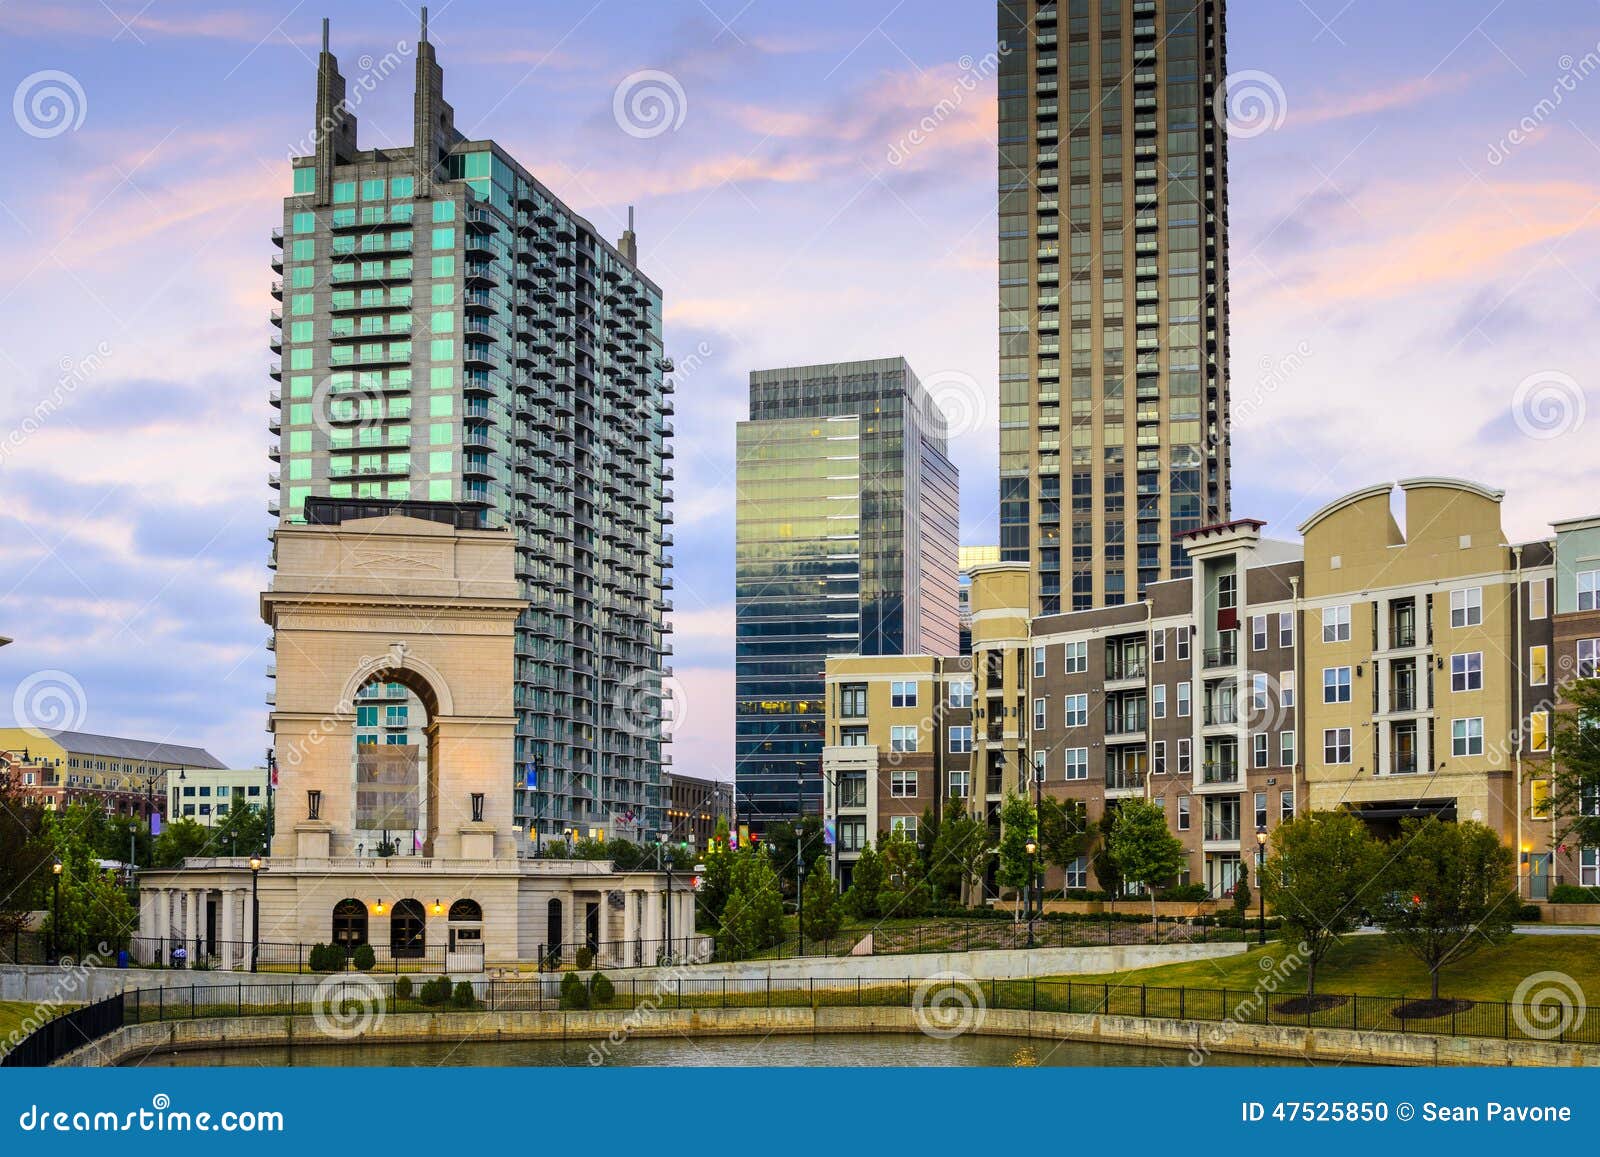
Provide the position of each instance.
(902, 694)
(1539, 731)
(1077, 658)
(1286, 688)
(902, 784)
(1286, 629)
(1336, 745)
(960, 783)
(1336, 684)
(1077, 766)
(1040, 770)
(1261, 810)
(904, 826)
(1158, 757)
(1589, 590)
(1466, 736)
(1182, 641)
(1077, 710)
(1466, 607)
(1183, 813)
(1258, 632)
(1183, 700)
(853, 790)
(1077, 872)
(961, 693)
(960, 740)
(1285, 749)
(1227, 592)
(1538, 666)
(1185, 758)
(903, 738)
(1259, 749)
(852, 835)
(1158, 647)
(1158, 701)
(1286, 805)
(852, 737)
(1038, 662)
(853, 701)
(1588, 658)
(1538, 605)
(1336, 624)
(1466, 671)
(1038, 714)
(1589, 867)
(1258, 692)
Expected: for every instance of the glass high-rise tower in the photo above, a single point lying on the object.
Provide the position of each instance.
(451, 331)
(1113, 291)
(848, 522)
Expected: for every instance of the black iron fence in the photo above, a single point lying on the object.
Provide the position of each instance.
(284, 956)
(25, 948)
(59, 1036)
(896, 939)
(637, 953)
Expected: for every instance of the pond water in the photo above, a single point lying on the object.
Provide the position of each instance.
(850, 1050)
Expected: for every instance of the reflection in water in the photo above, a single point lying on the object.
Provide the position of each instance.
(841, 1049)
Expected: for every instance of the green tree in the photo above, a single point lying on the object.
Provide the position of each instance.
(1141, 847)
(1241, 890)
(25, 854)
(788, 843)
(824, 909)
(928, 838)
(1018, 825)
(866, 881)
(180, 840)
(1320, 866)
(95, 910)
(1106, 872)
(1064, 831)
(717, 884)
(1575, 765)
(753, 919)
(961, 853)
(904, 891)
(1451, 889)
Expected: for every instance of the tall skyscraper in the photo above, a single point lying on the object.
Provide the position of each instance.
(848, 522)
(1113, 313)
(452, 331)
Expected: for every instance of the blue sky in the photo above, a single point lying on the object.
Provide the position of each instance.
(1414, 290)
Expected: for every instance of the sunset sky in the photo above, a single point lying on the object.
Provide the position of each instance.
(1415, 283)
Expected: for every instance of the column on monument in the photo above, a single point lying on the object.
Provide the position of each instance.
(161, 925)
(197, 922)
(247, 925)
(683, 921)
(229, 949)
(630, 927)
(653, 932)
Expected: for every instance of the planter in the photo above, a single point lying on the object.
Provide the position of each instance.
(1134, 905)
(1572, 914)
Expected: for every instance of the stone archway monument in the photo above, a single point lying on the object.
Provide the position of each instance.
(412, 593)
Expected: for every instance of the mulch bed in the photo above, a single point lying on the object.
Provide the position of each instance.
(1428, 1009)
(1300, 1005)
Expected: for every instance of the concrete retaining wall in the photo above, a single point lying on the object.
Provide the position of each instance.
(33, 983)
(609, 1030)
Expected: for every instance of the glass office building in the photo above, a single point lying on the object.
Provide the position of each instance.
(451, 331)
(848, 520)
(1113, 292)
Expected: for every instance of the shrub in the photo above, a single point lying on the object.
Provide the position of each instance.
(574, 993)
(1184, 893)
(327, 958)
(584, 958)
(1573, 894)
(1530, 913)
(365, 958)
(464, 997)
(436, 992)
(601, 989)
(402, 988)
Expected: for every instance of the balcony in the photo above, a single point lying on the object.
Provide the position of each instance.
(1124, 780)
(1220, 714)
(1222, 831)
(1403, 763)
(1220, 771)
(1133, 669)
(1215, 657)
(1125, 724)
(1403, 699)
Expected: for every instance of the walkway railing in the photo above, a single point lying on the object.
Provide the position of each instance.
(371, 998)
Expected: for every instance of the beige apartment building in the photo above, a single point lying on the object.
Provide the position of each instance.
(1403, 659)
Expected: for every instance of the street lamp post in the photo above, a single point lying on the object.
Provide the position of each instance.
(1033, 884)
(800, 904)
(255, 909)
(55, 919)
(1261, 891)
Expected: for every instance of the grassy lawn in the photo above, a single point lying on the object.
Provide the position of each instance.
(14, 1012)
(1368, 965)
